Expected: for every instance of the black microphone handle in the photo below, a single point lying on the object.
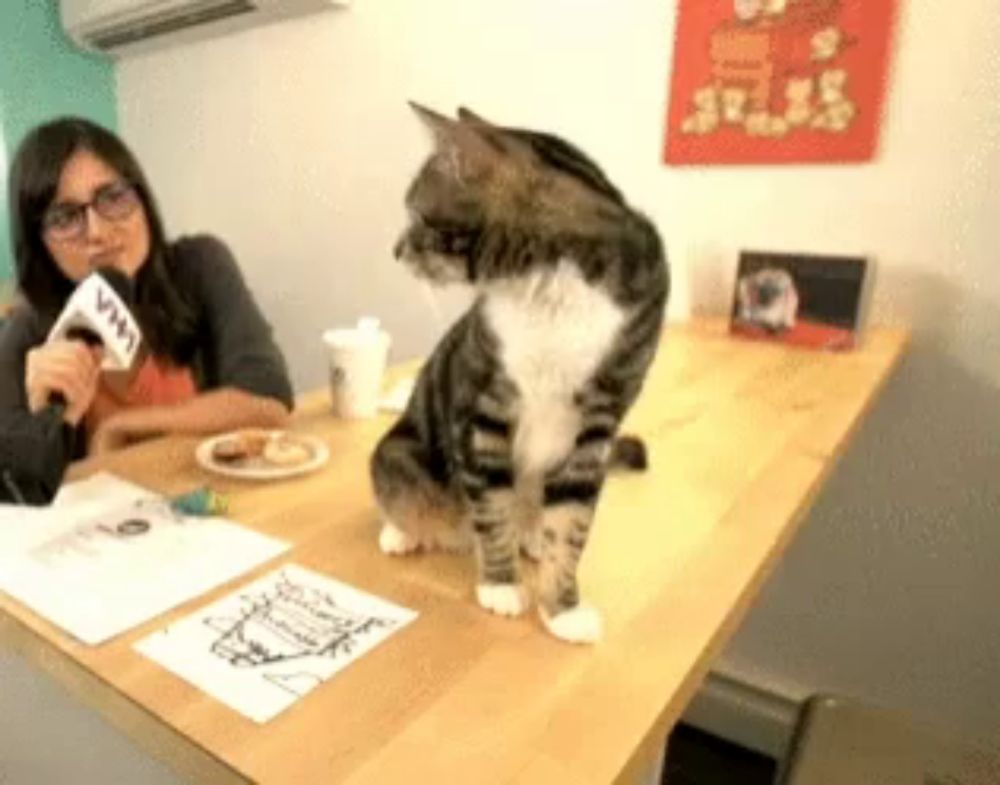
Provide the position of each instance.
(124, 288)
(57, 404)
(84, 335)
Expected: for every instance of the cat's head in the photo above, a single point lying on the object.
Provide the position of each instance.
(482, 177)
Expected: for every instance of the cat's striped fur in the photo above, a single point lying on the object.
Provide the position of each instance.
(512, 424)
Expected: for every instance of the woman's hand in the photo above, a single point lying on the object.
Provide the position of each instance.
(211, 412)
(111, 435)
(70, 368)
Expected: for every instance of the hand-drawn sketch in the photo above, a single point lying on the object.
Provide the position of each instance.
(262, 648)
(288, 622)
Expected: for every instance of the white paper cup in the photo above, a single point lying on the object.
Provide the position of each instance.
(357, 359)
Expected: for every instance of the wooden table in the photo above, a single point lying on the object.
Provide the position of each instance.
(742, 436)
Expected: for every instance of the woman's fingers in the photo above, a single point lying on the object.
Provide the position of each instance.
(66, 367)
(58, 354)
(62, 373)
(66, 380)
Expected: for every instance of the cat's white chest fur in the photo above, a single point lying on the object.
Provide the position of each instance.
(554, 329)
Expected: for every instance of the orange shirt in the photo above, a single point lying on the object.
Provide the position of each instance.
(156, 383)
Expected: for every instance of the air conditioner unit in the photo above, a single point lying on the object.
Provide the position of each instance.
(126, 26)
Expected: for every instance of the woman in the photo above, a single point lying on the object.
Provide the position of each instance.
(78, 202)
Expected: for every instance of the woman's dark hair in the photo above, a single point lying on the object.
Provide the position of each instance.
(166, 317)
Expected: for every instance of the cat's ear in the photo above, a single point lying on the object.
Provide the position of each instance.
(500, 138)
(466, 115)
(438, 124)
(466, 149)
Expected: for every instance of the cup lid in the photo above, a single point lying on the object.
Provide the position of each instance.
(366, 331)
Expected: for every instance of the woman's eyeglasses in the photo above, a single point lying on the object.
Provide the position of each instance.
(68, 220)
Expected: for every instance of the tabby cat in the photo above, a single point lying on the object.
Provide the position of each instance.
(512, 425)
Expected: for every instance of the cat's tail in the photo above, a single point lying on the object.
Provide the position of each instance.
(629, 453)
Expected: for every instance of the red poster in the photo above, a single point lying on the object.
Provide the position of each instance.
(778, 81)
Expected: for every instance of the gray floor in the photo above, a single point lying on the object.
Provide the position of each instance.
(49, 738)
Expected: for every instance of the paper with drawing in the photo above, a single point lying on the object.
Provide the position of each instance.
(262, 648)
(110, 556)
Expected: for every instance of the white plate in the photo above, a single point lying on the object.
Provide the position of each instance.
(203, 454)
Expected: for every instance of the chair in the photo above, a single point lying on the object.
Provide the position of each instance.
(840, 741)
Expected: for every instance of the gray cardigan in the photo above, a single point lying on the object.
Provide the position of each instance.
(234, 348)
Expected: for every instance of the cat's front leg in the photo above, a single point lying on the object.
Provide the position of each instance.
(488, 481)
(569, 499)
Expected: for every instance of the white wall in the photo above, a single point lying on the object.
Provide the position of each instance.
(294, 143)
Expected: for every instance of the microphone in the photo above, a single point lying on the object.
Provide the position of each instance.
(98, 313)
(35, 449)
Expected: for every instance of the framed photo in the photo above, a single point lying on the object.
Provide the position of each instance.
(778, 81)
(800, 299)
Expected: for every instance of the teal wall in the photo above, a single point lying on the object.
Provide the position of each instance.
(43, 75)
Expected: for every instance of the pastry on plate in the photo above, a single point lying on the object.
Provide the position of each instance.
(284, 450)
(240, 446)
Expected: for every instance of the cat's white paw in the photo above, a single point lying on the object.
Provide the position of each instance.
(503, 598)
(395, 541)
(582, 624)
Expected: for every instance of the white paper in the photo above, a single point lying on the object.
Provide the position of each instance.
(108, 556)
(102, 490)
(22, 527)
(262, 648)
(396, 399)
